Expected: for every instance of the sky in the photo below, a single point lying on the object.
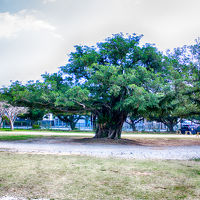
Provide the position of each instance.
(36, 36)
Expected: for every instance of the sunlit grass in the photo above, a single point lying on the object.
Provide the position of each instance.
(44, 130)
(26, 137)
(80, 131)
(18, 137)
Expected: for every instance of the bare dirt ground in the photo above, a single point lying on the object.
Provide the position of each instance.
(157, 142)
(144, 141)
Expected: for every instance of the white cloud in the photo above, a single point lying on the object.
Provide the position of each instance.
(29, 46)
(48, 1)
(38, 45)
(12, 24)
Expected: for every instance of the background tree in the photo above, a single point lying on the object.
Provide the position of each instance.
(134, 118)
(11, 113)
(179, 89)
(34, 115)
(41, 98)
(70, 120)
(2, 113)
(194, 82)
(188, 57)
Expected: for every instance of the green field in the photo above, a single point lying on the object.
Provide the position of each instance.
(78, 131)
(18, 137)
(44, 130)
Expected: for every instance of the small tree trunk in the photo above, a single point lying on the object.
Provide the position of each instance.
(72, 125)
(11, 125)
(133, 127)
(170, 122)
(1, 123)
(93, 122)
(170, 126)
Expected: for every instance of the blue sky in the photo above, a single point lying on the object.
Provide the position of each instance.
(37, 35)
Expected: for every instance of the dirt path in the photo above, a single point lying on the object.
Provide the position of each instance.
(140, 148)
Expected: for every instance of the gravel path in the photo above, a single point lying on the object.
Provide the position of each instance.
(44, 146)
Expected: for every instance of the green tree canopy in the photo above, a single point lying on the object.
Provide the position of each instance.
(117, 76)
(108, 80)
(114, 79)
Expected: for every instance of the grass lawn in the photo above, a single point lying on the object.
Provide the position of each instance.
(81, 177)
(17, 137)
(44, 130)
(26, 137)
(78, 131)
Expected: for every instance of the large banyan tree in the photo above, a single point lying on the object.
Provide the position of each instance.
(118, 76)
(108, 80)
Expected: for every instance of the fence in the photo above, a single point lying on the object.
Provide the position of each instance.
(47, 124)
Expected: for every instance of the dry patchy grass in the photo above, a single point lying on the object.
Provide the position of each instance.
(81, 177)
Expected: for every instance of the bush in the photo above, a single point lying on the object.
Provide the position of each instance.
(36, 126)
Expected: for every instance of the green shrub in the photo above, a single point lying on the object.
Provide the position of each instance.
(36, 126)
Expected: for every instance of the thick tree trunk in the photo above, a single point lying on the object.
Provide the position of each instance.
(112, 127)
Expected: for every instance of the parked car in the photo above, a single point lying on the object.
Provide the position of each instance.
(198, 129)
(190, 128)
